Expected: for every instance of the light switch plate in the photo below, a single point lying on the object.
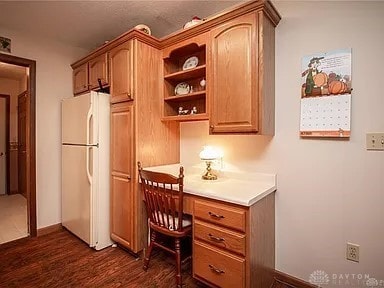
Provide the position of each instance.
(375, 141)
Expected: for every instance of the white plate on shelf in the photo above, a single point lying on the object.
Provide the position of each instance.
(191, 62)
(182, 88)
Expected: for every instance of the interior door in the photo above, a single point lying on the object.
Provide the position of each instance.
(3, 167)
(22, 123)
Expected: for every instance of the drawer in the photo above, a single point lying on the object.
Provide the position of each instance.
(217, 267)
(221, 214)
(220, 237)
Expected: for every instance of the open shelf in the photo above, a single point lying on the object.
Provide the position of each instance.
(189, 117)
(192, 73)
(194, 77)
(190, 96)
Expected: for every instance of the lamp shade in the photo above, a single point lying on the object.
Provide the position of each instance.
(209, 153)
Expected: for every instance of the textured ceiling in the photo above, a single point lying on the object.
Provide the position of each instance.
(87, 24)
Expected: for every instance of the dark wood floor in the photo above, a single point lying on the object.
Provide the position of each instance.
(62, 260)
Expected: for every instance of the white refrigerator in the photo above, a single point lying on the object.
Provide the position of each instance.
(85, 168)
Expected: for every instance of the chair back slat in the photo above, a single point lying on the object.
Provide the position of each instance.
(163, 195)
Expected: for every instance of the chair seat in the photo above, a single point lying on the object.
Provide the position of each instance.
(187, 221)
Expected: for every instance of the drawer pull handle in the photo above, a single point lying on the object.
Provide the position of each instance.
(216, 270)
(213, 237)
(215, 215)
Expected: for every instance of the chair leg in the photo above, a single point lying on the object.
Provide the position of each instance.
(149, 251)
(178, 262)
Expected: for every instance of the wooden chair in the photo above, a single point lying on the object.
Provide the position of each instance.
(163, 197)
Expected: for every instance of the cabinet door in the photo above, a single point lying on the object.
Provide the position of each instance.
(98, 69)
(121, 70)
(80, 79)
(122, 204)
(233, 76)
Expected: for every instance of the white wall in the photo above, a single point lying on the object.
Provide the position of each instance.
(53, 83)
(329, 191)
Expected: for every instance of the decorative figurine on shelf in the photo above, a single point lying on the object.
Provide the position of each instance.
(202, 83)
(194, 110)
(183, 111)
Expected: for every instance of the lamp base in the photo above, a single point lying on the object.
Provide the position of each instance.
(209, 176)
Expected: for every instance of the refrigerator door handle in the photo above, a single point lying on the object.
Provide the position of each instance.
(89, 176)
(89, 119)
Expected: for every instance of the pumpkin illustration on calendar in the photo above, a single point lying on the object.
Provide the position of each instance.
(338, 84)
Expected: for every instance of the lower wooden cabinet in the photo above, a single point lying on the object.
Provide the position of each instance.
(234, 246)
(121, 200)
(122, 205)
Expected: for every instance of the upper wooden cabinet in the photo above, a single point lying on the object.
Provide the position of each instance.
(86, 76)
(121, 70)
(98, 69)
(80, 79)
(240, 76)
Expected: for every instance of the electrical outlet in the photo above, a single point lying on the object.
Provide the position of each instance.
(353, 252)
(375, 141)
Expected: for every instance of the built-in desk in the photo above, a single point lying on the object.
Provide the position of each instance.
(233, 226)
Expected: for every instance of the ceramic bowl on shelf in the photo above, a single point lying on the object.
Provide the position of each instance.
(195, 20)
(191, 62)
(144, 28)
(182, 88)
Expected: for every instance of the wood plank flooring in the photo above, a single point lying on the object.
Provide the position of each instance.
(62, 260)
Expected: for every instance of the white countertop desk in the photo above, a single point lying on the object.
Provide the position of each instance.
(233, 226)
(241, 188)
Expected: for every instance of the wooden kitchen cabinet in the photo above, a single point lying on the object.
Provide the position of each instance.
(240, 75)
(98, 69)
(86, 75)
(80, 79)
(137, 134)
(233, 246)
(121, 71)
(122, 212)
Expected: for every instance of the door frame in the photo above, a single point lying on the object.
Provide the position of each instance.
(7, 121)
(31, 156)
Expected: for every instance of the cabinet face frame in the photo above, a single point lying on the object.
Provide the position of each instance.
(232, 73)
(121, 71)
(122, 174)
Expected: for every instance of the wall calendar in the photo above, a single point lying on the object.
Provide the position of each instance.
(326, 95)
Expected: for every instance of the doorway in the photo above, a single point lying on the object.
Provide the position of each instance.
(30, 140)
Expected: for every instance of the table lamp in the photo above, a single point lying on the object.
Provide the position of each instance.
(208, 155)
